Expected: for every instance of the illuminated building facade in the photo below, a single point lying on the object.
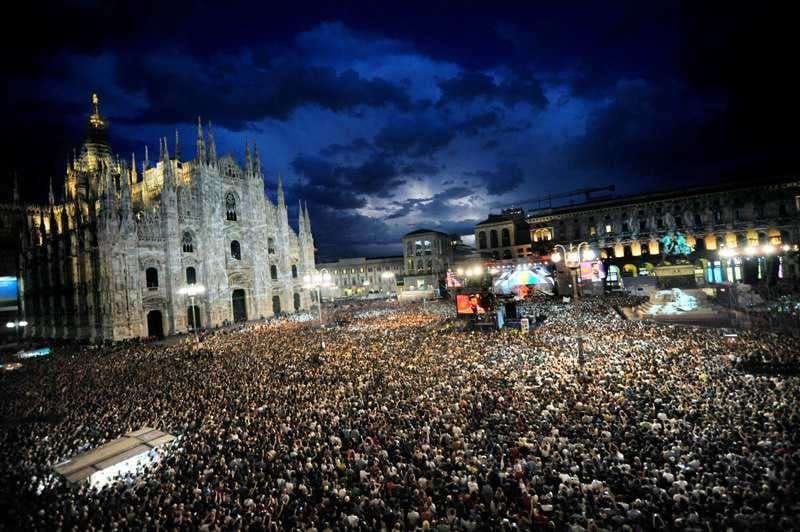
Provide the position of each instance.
(362, 276)
(504, 236)
(113, 259)
(738, 232)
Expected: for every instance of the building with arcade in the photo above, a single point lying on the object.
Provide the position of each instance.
(737, 232)
(119, 256)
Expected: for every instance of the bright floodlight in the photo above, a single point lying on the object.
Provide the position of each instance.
(727, 253)
(588, 254)
(387, 275)
(10, 324)
(750, 250)
(192, 290)
(555, 257)
(768, 249)
(23, 323)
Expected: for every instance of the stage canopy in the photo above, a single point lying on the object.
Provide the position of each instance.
(118, 457)
(522, 279)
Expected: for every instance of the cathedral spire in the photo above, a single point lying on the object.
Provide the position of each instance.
(308, 220)
(248, 162)
(51, 197)
(281, 201)
(177, 146)
(134, 178)
(201, 143)
(256, 162)
(212, 146)
(169, 175)
(301, 221)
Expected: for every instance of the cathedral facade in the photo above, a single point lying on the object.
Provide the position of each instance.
(156, 250)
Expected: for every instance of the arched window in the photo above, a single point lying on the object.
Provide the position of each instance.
(270, 245)
(506, 237)
(230, 206)
(273, 272)
(493, 238)
(151, 276)
(191, 275)
(188, 244)
(294, 271)
(482, 240)
(236, 250)
(296, 302)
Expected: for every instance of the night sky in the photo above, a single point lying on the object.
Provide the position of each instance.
(389, 116)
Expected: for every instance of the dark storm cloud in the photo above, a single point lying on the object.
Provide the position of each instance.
(640, 135)
(469, 86)
(505, 178)
(431, 206)
(415, 136)
(377, 175)
(240, 93)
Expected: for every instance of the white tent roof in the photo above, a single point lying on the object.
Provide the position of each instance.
(83, 466)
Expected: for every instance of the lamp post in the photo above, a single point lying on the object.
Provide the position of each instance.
(315, 281)
(572, 259)
(192, 291)
(16, 324)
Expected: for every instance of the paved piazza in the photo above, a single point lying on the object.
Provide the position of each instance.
(407, 422)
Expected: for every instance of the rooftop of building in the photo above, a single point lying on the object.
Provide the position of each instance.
(423, 231)
(660, 195)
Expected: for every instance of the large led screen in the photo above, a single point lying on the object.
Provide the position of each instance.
(8, 293)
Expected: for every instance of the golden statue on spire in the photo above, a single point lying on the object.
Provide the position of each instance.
(95, 119)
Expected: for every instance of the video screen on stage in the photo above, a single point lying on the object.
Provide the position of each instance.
(8, 293)
(470, 304)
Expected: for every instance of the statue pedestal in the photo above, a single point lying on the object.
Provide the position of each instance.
(675, 276)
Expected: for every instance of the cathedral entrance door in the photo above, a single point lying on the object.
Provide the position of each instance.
(239, 306)
(276, 305)
(155, 324)
(194, 317)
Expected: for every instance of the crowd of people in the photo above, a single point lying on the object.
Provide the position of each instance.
(404, 421)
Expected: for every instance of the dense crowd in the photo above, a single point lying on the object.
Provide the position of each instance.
(407, 422)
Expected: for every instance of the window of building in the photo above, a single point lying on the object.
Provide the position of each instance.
(505, 236)
(608, 228)
(294, 271)
(188, 244)
(151, 277)
(592, 230)
(271, 245)
(507, 254)
(493, 238)
(273, 272)
(230, 206)
(236, 250)
(191, 275)
(482, 240)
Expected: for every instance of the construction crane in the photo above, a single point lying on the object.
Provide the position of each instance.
(585, 192)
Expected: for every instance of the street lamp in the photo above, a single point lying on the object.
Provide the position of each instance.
(16, 324)
(572, 259)
(192, 291)
(315, 281)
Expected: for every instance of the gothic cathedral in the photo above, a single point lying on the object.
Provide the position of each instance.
(135, 253)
